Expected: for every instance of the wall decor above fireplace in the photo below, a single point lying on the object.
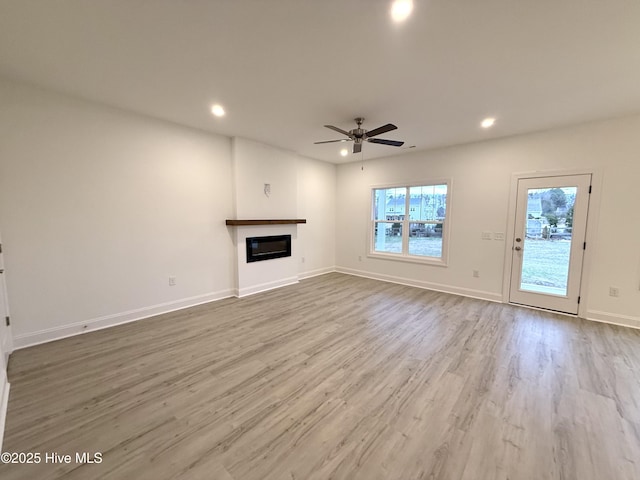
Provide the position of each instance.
(267, 248)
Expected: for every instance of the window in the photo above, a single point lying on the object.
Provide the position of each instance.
(419, 235)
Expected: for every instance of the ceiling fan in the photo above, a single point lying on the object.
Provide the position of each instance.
(359, 135)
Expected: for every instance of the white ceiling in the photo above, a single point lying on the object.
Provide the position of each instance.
(284, 68)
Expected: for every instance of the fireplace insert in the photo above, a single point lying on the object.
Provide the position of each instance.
(266, 248)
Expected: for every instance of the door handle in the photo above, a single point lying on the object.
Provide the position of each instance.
(518, 248)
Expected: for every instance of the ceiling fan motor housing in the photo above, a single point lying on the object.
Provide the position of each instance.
(359, 135)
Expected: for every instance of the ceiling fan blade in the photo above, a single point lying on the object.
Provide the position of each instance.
(339, 130)
(357, 147)
(332, 141)
(382, 141)
(383, 129)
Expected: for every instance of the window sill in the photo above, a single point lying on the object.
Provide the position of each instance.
(408, 259)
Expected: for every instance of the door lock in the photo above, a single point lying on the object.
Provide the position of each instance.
(518, 239)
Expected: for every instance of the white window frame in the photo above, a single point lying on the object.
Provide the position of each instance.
(404, 256)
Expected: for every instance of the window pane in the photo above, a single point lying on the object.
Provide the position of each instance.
(428, 202)
(389, 203)
(387, 237)
(547, 245)
(425, 239)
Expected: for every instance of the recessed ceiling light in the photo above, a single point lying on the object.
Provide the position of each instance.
(217, 110)
(344, 152)
(401, 9)
(488, 122)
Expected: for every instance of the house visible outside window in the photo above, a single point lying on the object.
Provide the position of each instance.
(420, 236)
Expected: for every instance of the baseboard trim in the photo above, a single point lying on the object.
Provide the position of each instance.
(316, 273)
(615, 319)
(263, 287)
(77, 328)
(4, 405)
(91, 325)
(465, 292)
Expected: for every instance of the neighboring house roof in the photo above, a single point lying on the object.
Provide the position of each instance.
(396, 203)
(399, 202)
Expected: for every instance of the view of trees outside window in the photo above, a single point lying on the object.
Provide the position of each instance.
(547, 244)
(409, 220)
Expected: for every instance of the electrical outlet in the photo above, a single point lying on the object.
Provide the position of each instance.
(487, 235)
(302, 259)
(172, 280)
(476, 273)
(614, 292)
(498, 236)
(359, 258)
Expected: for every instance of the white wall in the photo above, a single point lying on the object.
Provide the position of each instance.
(316, 203)
(255, 164)
(481, 175)
(98, 207)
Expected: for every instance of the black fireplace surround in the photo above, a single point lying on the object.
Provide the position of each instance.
(266, 248)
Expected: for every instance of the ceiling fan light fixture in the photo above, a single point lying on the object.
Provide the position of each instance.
(401, 9)
(488, 122)
(344, 152)
(217, 110)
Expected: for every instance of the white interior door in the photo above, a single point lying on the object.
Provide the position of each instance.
(548, 246)
(6, 344)
(4, 334)
(5, 348)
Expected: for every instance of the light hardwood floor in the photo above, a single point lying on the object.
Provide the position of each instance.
(337, 377)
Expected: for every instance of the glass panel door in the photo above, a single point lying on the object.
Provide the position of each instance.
(550, 227)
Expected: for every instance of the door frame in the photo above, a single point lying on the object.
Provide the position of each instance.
(6, 334)
(592, 228)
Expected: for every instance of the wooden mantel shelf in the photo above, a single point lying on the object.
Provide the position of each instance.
(283, 221)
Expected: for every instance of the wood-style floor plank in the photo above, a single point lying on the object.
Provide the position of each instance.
(337, 377)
